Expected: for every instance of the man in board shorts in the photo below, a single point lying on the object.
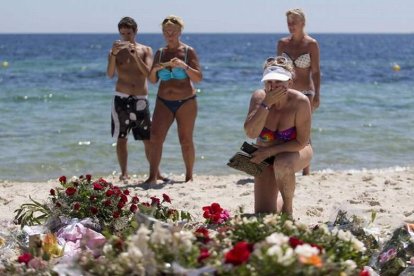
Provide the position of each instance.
(131, 61)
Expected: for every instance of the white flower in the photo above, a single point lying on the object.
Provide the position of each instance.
(160, 235)
(350, 266)
(184, 240)
(134, 253)
(324, 228)
(358, 245)
(277, 239)
(74, 179)
(302, 226)
(284, 257)
(289, 225)
(271, 219)
(305, 250)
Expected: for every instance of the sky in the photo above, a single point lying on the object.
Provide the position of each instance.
(209, 16)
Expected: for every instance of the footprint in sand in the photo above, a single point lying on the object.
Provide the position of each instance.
(314, 211)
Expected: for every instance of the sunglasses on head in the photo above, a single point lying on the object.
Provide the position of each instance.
(277, 60)
(172, 20)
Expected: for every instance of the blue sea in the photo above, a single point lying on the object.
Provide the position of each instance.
(55, 103)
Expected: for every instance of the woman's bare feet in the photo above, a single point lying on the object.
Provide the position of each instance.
(124, 178)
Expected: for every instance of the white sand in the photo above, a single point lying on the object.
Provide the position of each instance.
(389, 192)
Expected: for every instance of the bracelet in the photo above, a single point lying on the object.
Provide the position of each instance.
(265, 106)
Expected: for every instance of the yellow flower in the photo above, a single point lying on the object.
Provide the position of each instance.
(2, 241)
(51, 246)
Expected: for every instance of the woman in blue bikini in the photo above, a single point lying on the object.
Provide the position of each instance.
(176, 66)
(279, 118)
(303, 51)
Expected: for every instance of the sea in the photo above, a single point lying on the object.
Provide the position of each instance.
(55, 103)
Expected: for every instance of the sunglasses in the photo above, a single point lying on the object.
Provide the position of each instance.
(279, 60)
(172, 20)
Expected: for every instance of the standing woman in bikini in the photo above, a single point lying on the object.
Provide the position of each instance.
(303, 51)
(176, 66)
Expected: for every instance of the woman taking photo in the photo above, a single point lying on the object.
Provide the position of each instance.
(176, 66)
(279, 118)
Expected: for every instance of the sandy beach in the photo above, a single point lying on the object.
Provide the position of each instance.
(318, 197)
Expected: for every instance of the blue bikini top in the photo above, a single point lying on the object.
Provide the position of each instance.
(175, 73)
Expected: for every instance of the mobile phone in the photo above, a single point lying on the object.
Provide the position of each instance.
(248, 148)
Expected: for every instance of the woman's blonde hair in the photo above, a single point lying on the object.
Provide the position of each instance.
(173, 20)
(296, 12)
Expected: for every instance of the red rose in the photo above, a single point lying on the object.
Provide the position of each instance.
(76, 206)
(294, 242)
(126, 192)
(124, 198)
(62, 179)
(146, 204)
(97, 186)
(52, 192)
(155, 200)
(94, 210)
(70, 191)
(88, 177)
(58, 205)
(364, 273)
(116, 214)
(135, 199)
(25, 258)
(204, 254)
(133, 208)
(202, 234)
(239, 254)
(109, 193)
(108, 202)
(166, 198)
(121, 204)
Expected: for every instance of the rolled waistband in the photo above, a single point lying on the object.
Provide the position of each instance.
(123, 95)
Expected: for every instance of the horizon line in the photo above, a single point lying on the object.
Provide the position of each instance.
(198, 33)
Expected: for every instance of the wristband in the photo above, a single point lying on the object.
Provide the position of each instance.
(265, 106)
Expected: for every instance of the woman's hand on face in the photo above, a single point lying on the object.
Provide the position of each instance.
(176, 62)
(275, 95)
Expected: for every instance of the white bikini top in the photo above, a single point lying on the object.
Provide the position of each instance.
(302, 61)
